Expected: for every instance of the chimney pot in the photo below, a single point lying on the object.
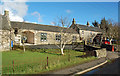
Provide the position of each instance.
(88, 23)
(73, 22)
(6, 13)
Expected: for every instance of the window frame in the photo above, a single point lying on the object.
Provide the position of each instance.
(43, 37)
(58, 37)
(74, 38)
(90, 33)
(15, 30)
(82, 32)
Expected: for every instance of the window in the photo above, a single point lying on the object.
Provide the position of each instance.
(58, 37)
(15, 31)
(91, 40)
(43, 36)
(82, 32)
(93, 34)
(73, 27)
(74, 38)
(90, 33)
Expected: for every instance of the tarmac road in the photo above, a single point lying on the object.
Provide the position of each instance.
(112, 68)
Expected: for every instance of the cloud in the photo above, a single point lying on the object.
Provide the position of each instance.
(37, 14)
(52, 23)
(68, 11)
(17, 9)
(31, 22)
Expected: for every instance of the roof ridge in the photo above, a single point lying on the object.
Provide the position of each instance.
(87, 26)
(39, 24)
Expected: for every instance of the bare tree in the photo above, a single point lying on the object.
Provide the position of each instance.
(23, 40)
(115, 31)
(64, 36)
(95, 24)
(19, 30)
(7, 32)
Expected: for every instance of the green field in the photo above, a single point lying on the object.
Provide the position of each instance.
(30, 62)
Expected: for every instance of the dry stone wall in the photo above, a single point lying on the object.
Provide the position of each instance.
(101, 53)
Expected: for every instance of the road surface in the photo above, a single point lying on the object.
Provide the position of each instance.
(110, 68)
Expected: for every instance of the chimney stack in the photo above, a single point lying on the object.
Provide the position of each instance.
(73, 22)
(98, 25)
(6, 13)
(88, 23)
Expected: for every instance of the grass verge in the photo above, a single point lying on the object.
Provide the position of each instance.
(29, 62)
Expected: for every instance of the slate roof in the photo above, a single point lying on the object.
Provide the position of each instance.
(85, 27)
(33, 26)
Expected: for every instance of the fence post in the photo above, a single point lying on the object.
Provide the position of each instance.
(47, 61)
(13, 66)
(84, 46)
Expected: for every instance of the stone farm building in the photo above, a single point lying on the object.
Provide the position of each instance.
(39, 34)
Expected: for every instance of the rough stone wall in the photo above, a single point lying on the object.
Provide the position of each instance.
(88, 35)
(117, 47)
(5, 40)
(4, 33)
(50, 46)
(112, 55)
(50, 37)
(101, 53)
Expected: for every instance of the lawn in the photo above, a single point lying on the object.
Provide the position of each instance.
(35, 61)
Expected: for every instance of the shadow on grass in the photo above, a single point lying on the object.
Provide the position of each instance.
(80, 50)
(88, 54)
(83, 56)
